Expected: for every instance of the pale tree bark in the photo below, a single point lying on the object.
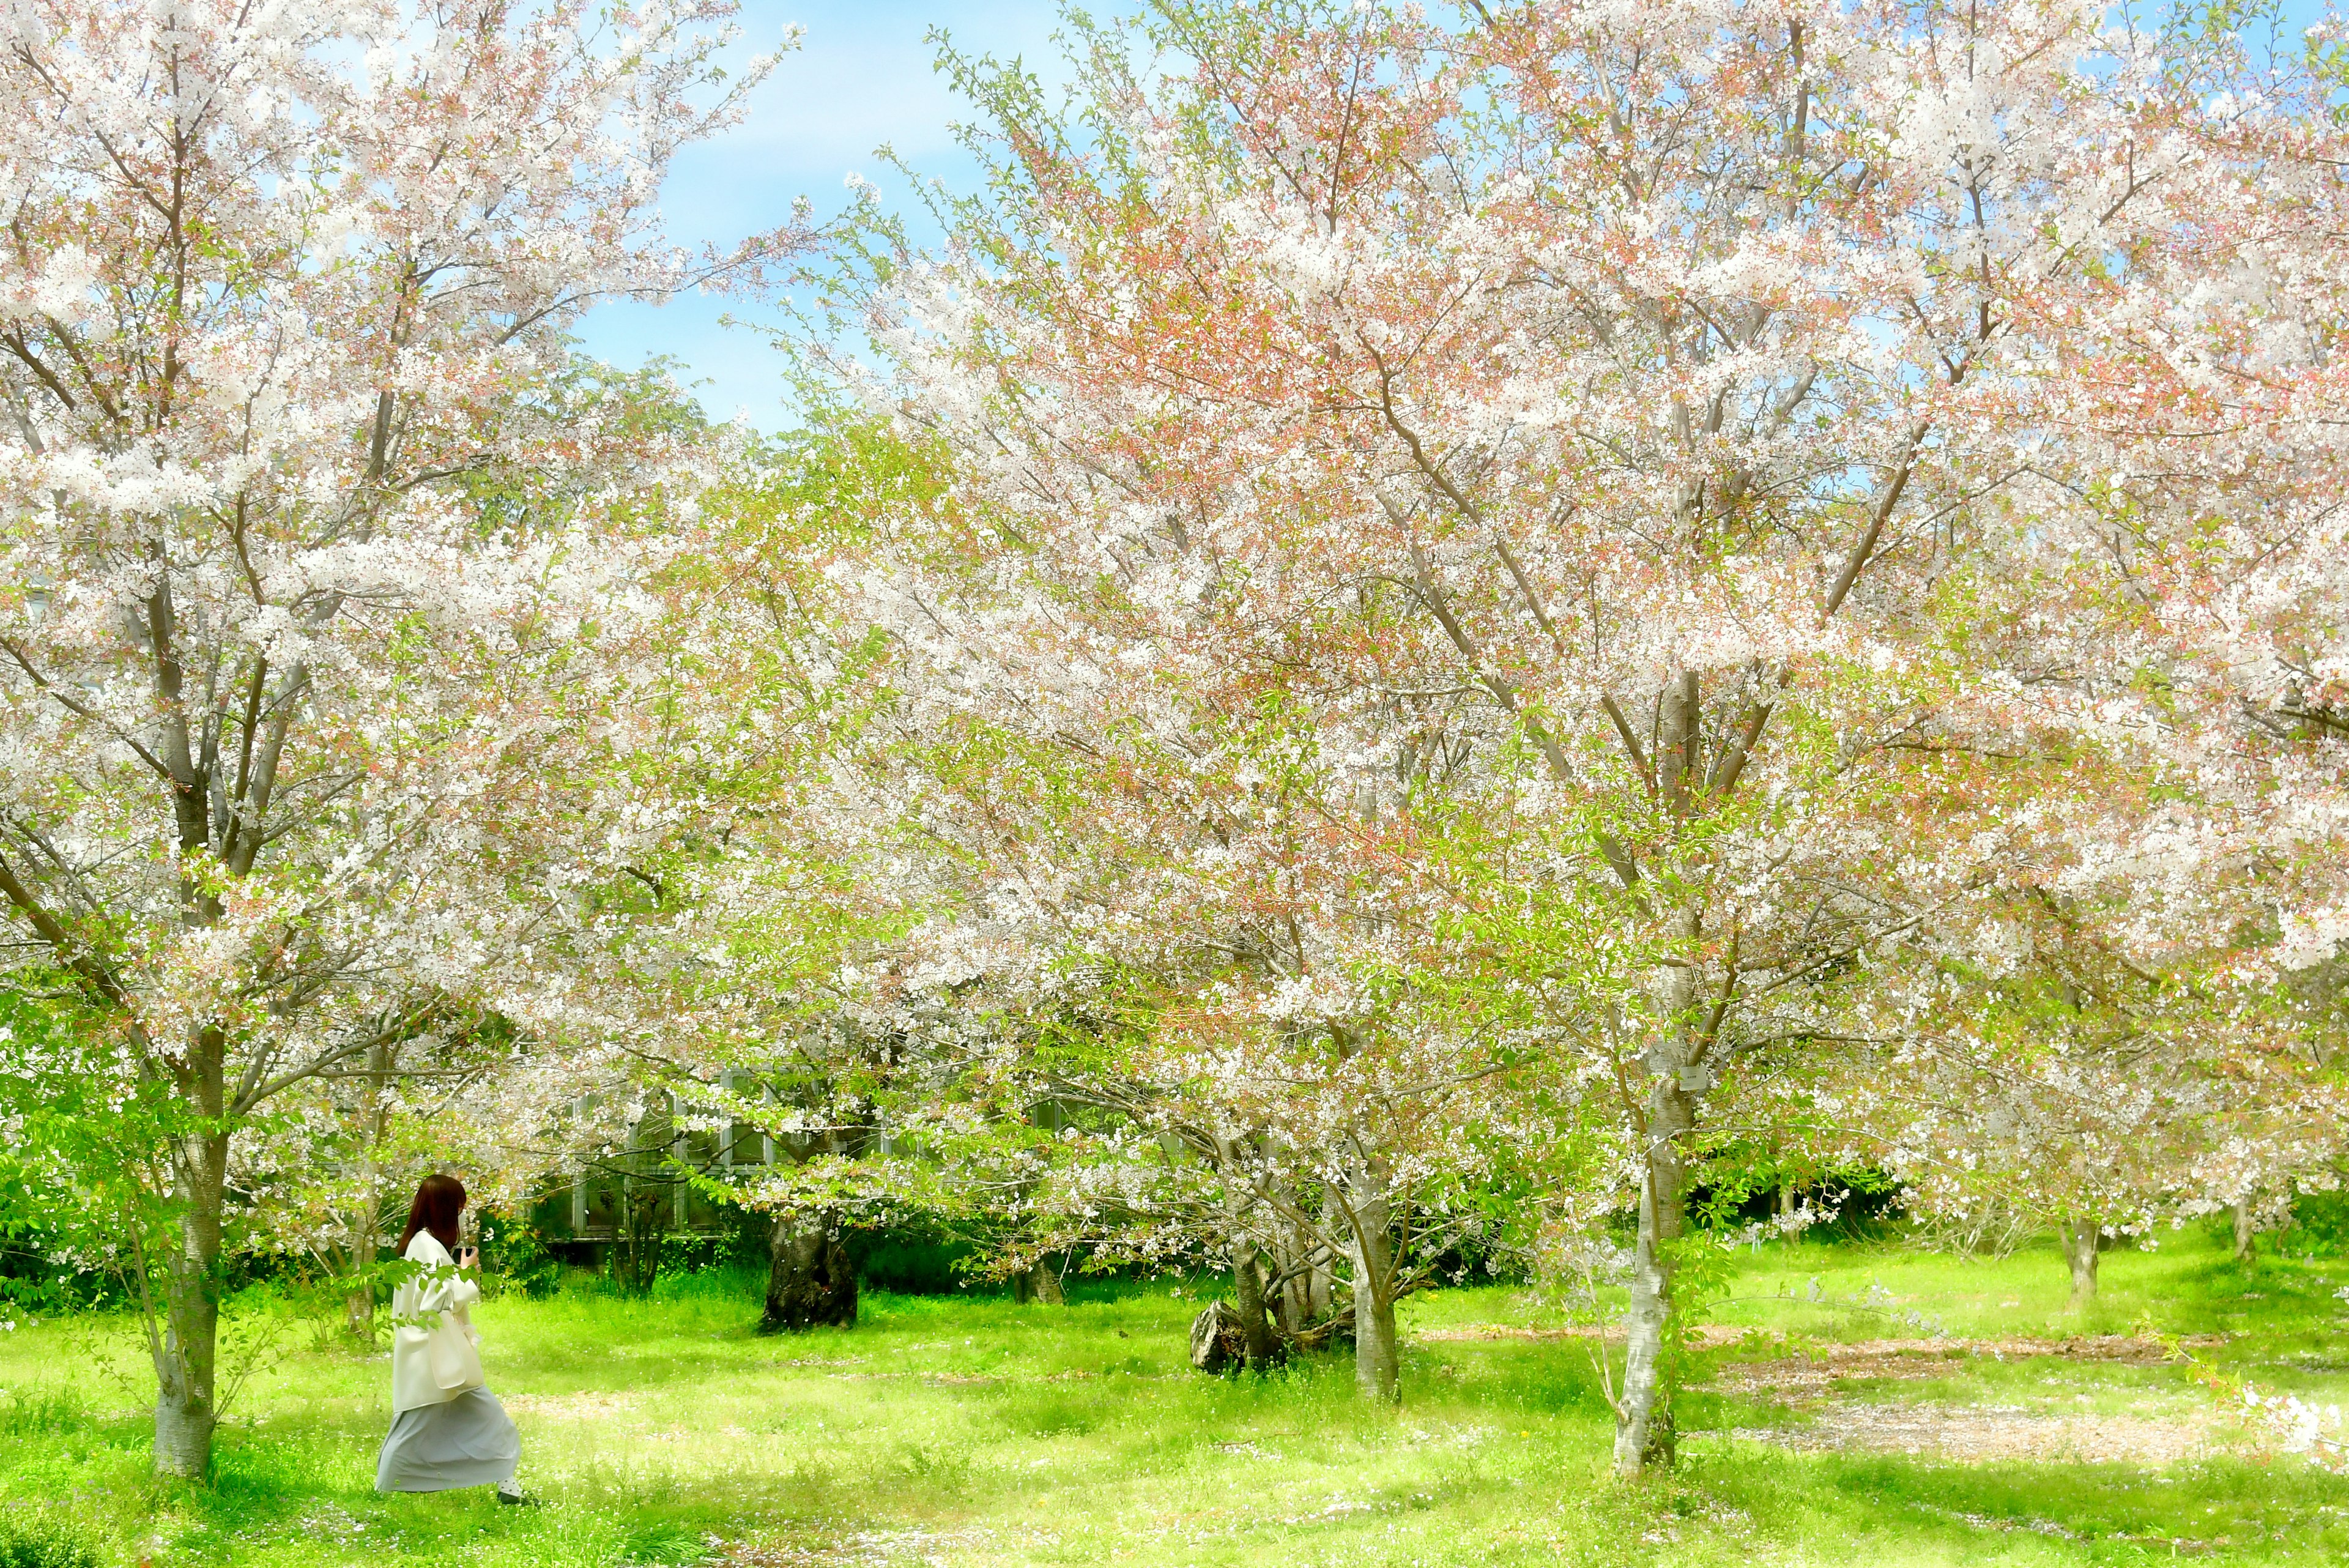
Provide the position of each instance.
(2081, 1238)
(1643, 1419)
(1042, 1284)
(2247, 1247)
(1300, 1268)
(1378, 1360)
(1287, 1303)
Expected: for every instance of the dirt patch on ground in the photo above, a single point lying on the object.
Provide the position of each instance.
(1983, 1435)
(2121, 1347)
(1817, 1370)
(1812, 1385)
(1809, 1385)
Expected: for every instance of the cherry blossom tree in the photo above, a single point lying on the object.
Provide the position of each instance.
(333, 611)
(2186, 514)
(1600, 465)
(2094, 1103)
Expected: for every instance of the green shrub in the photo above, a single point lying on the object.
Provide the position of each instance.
(2319, 1225)
(514, 1256)
(37, 1542)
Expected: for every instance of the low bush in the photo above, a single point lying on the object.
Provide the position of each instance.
(36, 1541)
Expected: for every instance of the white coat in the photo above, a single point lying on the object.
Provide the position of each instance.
(433, 1358)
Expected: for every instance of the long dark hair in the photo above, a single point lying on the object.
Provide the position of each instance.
(439, 1200)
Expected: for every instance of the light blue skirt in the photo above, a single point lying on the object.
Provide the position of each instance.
(468, 1441)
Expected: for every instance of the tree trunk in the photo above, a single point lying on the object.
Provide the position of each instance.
(1643, 1425)
(2080, 1238)
(1378, 1362)
(1288, 1300)
(1313, 1287)
(809, 1279)
(1786, 1200)
(2246, 1243)
(1038, 1283)
(643, 1223)
(188, 1342)
(359, 1303)
(1258, 1347)
(1262, 1348)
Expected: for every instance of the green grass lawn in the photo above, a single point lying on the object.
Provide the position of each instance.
(976, 1431)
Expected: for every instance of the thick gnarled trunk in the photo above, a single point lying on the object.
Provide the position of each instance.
(810, 1282)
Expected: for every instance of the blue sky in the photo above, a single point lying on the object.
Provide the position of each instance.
(861, 77)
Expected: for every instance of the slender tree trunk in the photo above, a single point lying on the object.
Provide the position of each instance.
(2247, 1250)
(1643, 1425)
(2080, 1237)
(1786, 1200)
(359, 1303)
(185, 1411)
(1315, 1288)
(1286, 1300)
(1377, 1360)
(644, 1222)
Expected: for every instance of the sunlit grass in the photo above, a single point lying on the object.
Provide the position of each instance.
(977, 1431)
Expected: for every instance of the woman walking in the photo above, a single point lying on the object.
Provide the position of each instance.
(447, 1429)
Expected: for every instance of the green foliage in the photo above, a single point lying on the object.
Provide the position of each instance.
(515, 1256)
(2318, 1229)
(80, 1172)
(33, 1540)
